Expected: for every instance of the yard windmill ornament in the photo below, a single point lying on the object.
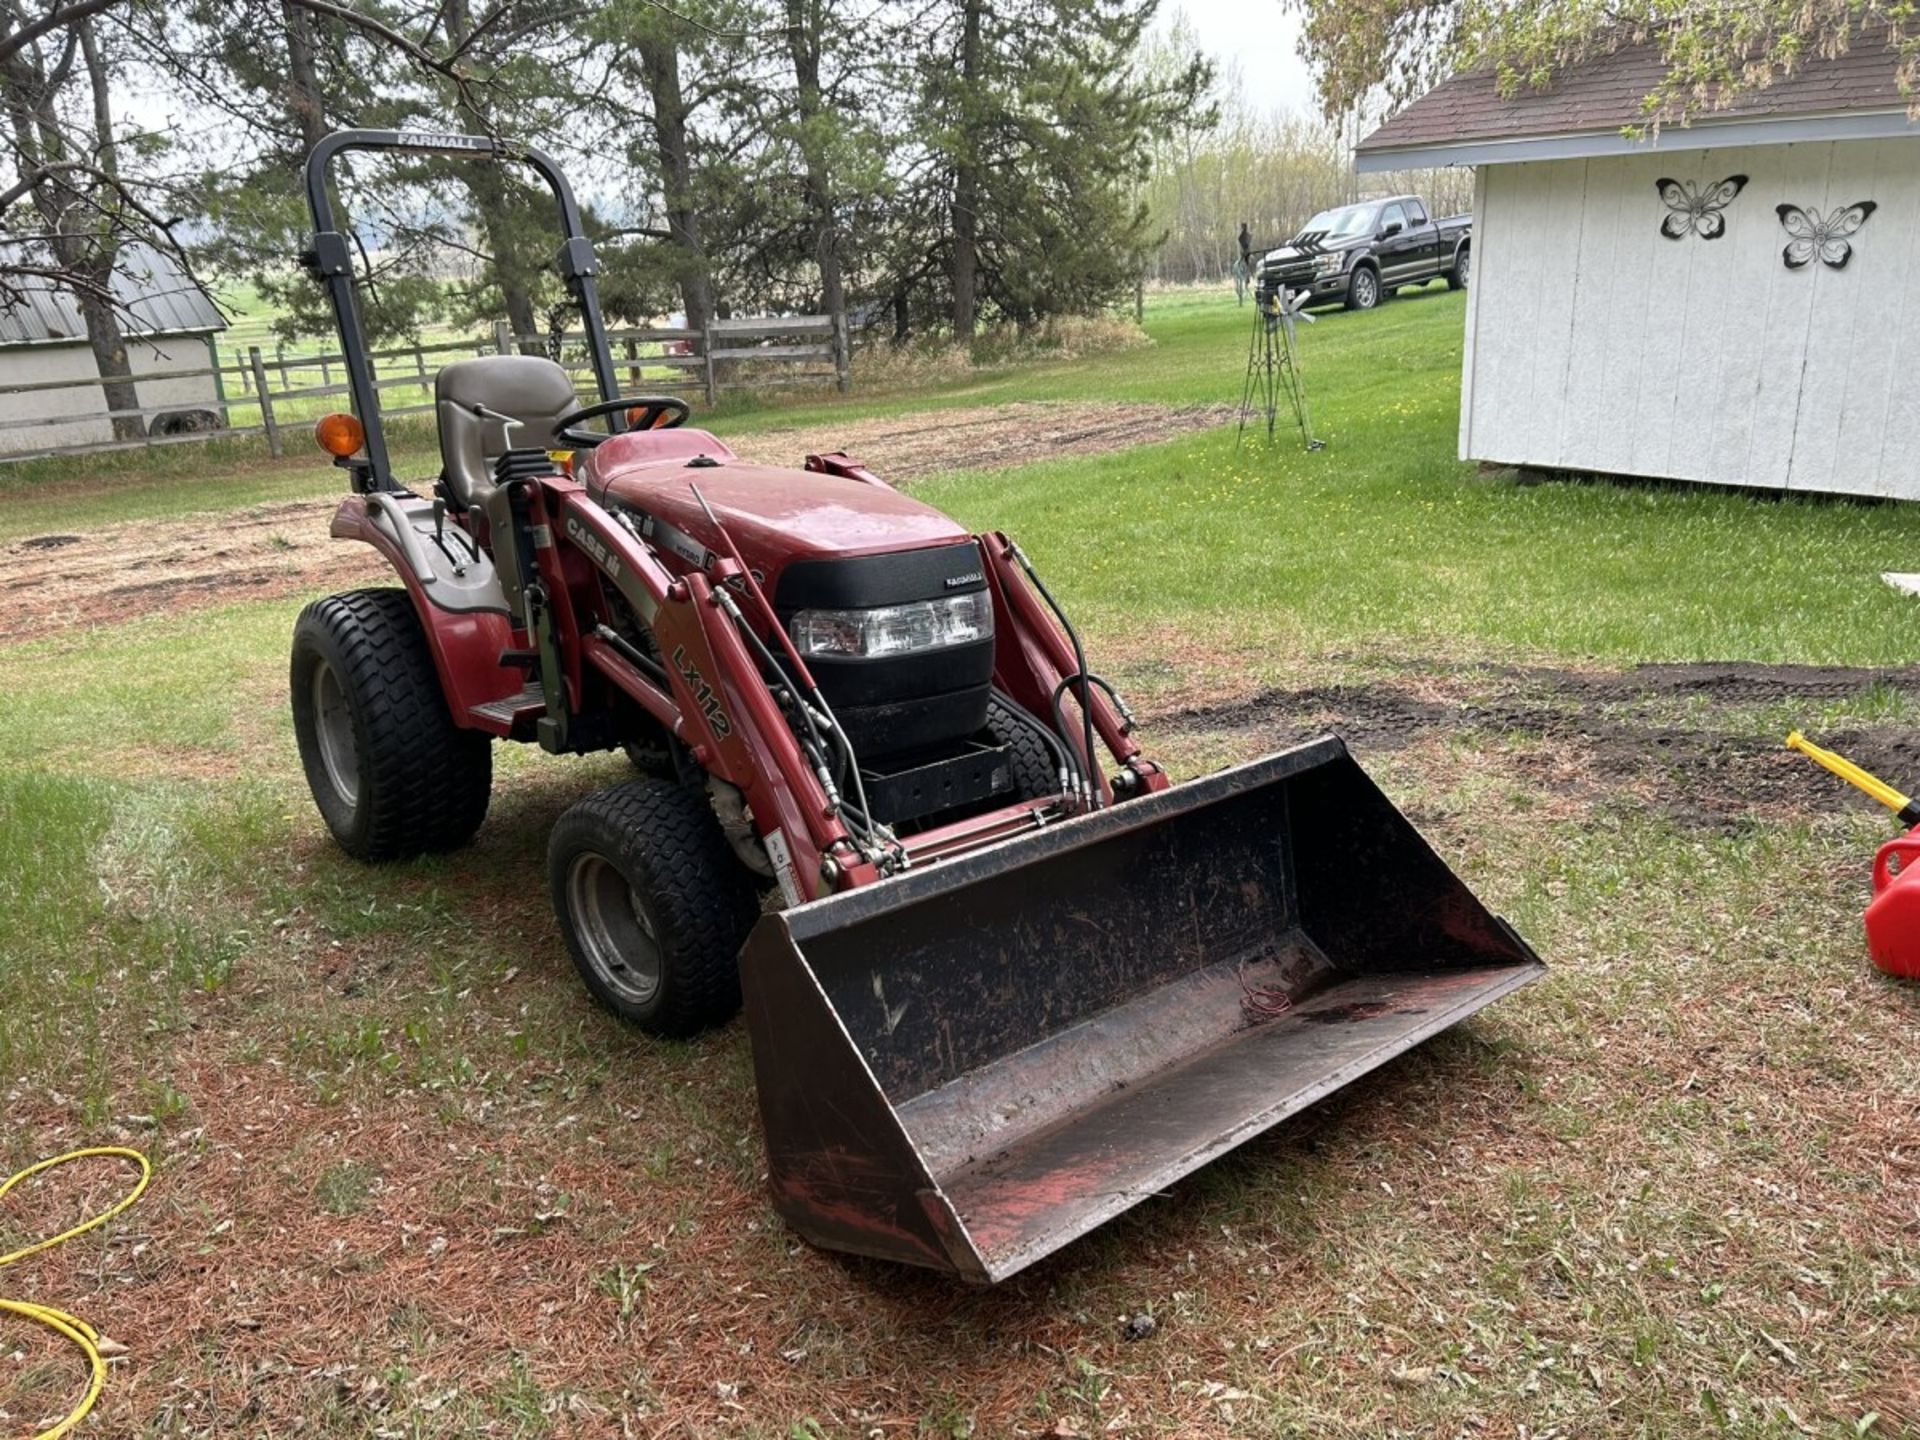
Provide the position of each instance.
(1273, 365)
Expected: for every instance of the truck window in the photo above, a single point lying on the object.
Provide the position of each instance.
(1416, 213)
(1392, 214)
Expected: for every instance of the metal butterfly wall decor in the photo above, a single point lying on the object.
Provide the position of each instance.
(1825, 237)
(1693, 211)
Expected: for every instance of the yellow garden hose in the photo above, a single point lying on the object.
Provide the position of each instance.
(67, 1326)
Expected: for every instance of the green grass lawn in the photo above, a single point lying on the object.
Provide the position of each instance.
(412, 1183)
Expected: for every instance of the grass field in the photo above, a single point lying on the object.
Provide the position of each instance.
(411, 1183)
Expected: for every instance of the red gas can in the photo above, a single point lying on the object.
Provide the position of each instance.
(1893, 919)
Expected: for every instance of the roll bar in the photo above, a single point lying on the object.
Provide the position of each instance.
(329, 258)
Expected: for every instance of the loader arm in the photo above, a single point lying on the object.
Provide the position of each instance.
(1032, 657)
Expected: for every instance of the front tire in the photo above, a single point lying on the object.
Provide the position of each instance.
(391, 773)
(1036, 770)
(1363, 289)
(653, 905)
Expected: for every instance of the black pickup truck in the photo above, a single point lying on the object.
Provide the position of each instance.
(1357, 255)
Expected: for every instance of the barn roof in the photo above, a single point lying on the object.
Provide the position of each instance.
(157, 297)
(1586, 109)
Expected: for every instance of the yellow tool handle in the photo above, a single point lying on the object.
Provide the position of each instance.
(1900, 804)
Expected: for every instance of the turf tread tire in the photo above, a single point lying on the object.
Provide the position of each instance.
(424, 781)
(666, 842)
(1036, 772)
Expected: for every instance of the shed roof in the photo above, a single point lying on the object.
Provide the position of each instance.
(158, 297)
(1466, 120)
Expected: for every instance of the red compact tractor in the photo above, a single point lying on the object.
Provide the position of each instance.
(1002, 981)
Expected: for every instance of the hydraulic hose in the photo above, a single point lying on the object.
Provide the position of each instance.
(846, 762)
(70, 1327)
(802, 697)
(1080, 659)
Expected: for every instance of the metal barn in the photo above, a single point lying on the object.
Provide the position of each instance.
(169, 323)
(1734, 302)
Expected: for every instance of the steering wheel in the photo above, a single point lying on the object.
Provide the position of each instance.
(656, 412)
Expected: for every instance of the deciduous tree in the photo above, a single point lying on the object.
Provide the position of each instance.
(1714, 50)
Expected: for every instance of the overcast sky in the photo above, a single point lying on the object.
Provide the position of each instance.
(1258, 37)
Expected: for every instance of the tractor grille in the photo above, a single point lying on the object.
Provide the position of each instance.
(899, 703)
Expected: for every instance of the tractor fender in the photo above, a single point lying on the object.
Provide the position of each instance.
(466, 623)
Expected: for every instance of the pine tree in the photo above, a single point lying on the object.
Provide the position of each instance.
(1037, 130)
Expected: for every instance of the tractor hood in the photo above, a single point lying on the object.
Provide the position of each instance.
(774, 514)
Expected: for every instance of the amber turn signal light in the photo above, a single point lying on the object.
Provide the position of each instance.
(340, 435)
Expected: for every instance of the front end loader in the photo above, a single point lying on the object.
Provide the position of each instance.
(1002, 979)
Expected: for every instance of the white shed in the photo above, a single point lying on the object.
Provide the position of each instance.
(1736, 301)
(169, 323)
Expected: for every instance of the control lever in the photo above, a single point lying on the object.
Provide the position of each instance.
(509, 422)
(440, 538)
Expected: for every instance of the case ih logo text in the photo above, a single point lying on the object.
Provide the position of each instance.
(594, 546)
(702, 693)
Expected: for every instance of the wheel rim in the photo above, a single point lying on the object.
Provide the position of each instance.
(613, 928)
(1365, 289)
(1465, 266)
(333, 728)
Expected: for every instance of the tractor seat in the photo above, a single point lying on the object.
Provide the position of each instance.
(531, 388)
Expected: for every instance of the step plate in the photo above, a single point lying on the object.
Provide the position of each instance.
(528, 704)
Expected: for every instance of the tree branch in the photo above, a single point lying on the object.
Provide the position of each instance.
(54, 19)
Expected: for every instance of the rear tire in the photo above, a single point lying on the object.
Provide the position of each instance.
(1363, 289)
(1462, 270)
(653, 905)
(391, 773)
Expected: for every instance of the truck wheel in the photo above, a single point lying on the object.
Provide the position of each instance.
(391, 773)
(1462, 267)
(1363, 290)
(653, 905)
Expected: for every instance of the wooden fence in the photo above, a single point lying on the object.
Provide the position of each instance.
(271, 395)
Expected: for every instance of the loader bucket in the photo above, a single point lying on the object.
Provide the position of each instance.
(970, 1065)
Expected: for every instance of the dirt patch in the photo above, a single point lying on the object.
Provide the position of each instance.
(1682, 738)
(55, 583)
(60, 582)
(912, 447)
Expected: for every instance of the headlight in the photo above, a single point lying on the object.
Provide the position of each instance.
(1329, 264)
(895, 629)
